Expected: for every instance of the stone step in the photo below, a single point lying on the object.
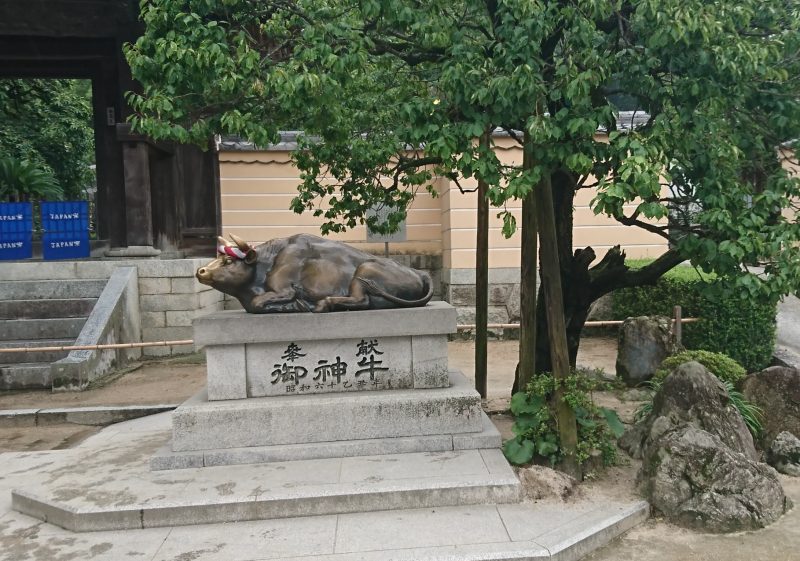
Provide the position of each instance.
(30, 329)
(50, 289)
(26, 376)
(137, 498)
(47, 308)
(34, 355)
(300, 419)
(166, 459)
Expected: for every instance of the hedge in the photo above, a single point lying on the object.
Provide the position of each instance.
(743, 329)
(720, 365)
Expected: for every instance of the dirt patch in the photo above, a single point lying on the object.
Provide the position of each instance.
(151, 383)
(594, 353)
(656, 540)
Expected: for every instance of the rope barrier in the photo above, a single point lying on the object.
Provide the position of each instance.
(609, 323)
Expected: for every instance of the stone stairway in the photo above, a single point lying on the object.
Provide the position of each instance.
(41, 313)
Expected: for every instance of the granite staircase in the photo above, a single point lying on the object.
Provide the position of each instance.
(41, 313)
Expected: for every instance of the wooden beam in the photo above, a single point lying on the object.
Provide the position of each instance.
(556, 325)
(482, 284)
(527, 287)
(138, 204)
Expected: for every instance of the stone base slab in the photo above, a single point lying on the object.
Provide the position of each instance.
(89, 500)
(199, 424)
(166, 459)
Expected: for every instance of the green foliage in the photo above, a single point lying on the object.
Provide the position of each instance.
(740, 326)
(535, 429)
(644, 410)
(48, 124)
(19, 179)
(751, 413)
(391, 94)
(720, 365)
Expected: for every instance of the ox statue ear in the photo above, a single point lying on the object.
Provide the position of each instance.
(240, 243)
(250, 256)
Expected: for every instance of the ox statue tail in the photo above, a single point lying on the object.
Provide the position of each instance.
(373, 288)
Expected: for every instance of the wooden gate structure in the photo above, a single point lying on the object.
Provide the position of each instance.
(150, 195)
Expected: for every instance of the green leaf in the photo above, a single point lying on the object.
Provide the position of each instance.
(518, 451)
(545, 448)
(524, 423)
(522, 403)
(613, 421)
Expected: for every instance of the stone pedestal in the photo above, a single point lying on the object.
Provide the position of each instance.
(285, 387)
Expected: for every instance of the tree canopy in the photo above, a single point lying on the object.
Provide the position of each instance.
(46, 137)
(402, 89)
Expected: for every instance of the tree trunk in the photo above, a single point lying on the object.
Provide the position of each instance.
(582, 285)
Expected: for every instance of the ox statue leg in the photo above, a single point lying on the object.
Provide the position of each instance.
(271, 298)
(358, 299)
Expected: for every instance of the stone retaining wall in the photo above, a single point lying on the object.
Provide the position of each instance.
(169, 295)
(458, 288)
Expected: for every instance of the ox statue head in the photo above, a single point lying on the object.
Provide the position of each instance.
(233, 268)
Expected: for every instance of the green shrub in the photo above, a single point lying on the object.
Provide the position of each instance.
(720, 365)
(536, 430)
(743, 329)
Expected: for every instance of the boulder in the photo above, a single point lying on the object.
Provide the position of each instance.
(700, 467)
(776, 391)
(697, 481)
(513, 304)
(541, 482)
(691, 395)
(602, 309)
(784, 454)
(644, 342)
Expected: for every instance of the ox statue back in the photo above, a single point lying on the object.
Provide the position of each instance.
(305, 273)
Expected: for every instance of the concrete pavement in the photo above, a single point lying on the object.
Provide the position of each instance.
(563, 531)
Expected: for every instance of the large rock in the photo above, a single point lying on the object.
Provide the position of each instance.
(644, 342)
(700, 467)
(691, 395)
(776, 391)
(541, 482)
(696, 481)
(602, 309)
(784, 454)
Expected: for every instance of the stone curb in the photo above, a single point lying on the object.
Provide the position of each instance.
(94, 416)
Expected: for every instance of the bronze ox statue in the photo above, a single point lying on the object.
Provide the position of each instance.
(305, 273)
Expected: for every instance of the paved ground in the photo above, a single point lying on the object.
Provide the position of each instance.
(523, 531)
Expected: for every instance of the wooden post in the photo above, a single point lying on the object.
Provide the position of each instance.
(527, 286)
(482, 291)
(678, 330)
(482, 285)
(138, 205)
(556, 325)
